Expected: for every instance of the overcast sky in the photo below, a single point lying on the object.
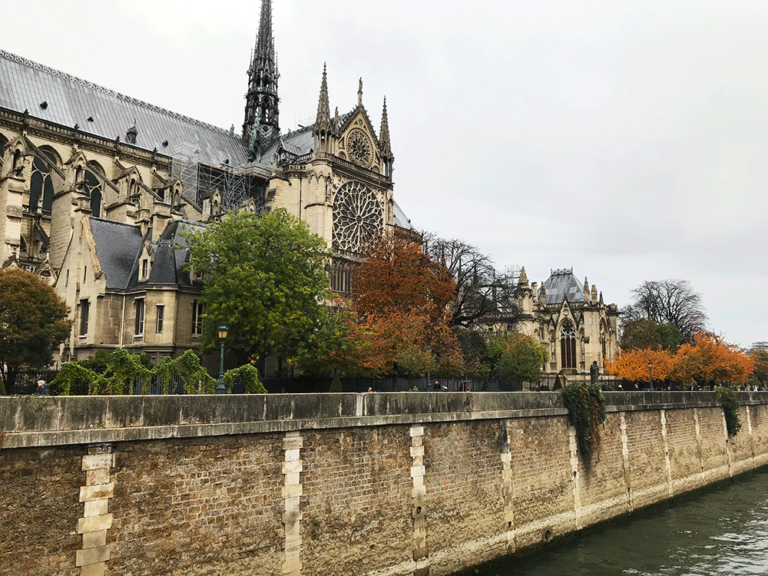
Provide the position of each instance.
(628, 140)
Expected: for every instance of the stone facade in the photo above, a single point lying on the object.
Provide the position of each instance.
(353, 485)
(72, 152)
(572, 322)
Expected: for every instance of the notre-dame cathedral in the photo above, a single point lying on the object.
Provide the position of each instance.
(96, 189)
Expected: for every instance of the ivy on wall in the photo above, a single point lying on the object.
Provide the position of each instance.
(586, 413)
(730, 404)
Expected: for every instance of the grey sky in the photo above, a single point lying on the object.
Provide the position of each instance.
(625, 139)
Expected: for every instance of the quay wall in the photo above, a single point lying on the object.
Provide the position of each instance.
(338, 484)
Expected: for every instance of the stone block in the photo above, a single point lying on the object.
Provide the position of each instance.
(94, 523)
(292, 455)
(292, 467)
(292, 478)
(291, 566)
(417, 471)
(94, 539)
(417, 451)
(418, 461)
(292, 491)
(94, 569)
(96, 508)
(98, 476)
(92, 556)
(98, 492)
(417, 431)
(293, 443)
(96, 461)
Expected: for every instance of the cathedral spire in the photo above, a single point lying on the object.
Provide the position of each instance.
(261, 101)
(323, 120)
(386, 146)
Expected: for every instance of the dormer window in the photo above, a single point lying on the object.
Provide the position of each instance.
(144, 269)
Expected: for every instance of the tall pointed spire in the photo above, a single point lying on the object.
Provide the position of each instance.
(384, 143)
(261, 100)
(323, 121)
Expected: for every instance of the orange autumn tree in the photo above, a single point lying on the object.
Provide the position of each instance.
(400, 324)
(633, 365)
(707, 360)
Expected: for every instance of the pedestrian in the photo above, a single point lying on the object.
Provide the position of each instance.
(436, 385)
(42, 388)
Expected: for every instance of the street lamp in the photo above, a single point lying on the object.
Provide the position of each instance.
(220, 389)
(650, 374)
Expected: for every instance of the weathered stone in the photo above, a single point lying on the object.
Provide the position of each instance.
(92, 556)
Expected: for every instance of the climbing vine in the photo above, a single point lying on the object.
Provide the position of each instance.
(586, 413)
(116, 373)
(730, 404)
(248, 375)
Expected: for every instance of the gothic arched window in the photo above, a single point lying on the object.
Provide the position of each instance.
(357, 217)
(93, 187)
(3, 144)
(568, 345)
(41, 184)
(603, 340)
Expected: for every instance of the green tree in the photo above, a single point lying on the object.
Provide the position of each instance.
(33, 322)
(516, 357)
(266, 279)
(642, 333)
(760, 373)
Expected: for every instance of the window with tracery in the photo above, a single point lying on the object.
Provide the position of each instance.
(41, 184)
(568, 345)
(93, 188)
(603, 340)
(357, 217)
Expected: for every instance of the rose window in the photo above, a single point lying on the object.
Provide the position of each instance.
(357, 217)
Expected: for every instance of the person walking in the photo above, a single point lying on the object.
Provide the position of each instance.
(42, 389)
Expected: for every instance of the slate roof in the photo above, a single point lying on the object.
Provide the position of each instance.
(400, 219)
(562, 284)
(25, 85)
(119, 248)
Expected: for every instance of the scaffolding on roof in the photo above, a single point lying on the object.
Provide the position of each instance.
(200, 180)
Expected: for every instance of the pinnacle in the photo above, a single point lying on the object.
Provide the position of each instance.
(323, 121)
(386, 146)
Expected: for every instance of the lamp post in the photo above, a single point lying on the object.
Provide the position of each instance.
(220, 389)
(650, 374)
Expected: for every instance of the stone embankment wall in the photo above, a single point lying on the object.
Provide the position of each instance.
(337, 484)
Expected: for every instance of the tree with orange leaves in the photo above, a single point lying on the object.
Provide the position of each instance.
(633, 365)
(399, 303)
(707, 360)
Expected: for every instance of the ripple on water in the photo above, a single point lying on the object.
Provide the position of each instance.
(718, 531)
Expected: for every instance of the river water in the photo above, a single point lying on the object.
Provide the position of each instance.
(722, 530)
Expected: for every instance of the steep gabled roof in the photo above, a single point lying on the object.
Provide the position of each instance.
(26, 85)
(117, 246)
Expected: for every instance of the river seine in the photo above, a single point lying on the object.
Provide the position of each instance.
(719, 531)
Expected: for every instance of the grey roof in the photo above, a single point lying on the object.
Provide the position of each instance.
(400, 219)
(562, 284)
(117, 246)
(298, 142)
(25, 85)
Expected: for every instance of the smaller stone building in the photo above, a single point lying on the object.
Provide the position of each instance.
(127, 286)
(571, 320)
